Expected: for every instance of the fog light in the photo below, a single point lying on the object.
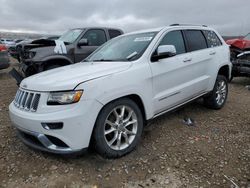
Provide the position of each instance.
(52, 126)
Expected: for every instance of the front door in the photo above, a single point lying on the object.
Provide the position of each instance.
(175, 79)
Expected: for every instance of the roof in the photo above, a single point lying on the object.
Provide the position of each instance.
(180, 26)
(97, 28)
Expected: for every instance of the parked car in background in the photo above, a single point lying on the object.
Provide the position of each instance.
(240, 55)
(4, 58)
(16, 50)
(18, 40)
(241, 44)
(72, 47)
(8, 42)
(129, 80)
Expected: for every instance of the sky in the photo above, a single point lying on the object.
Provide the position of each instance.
(229, 17)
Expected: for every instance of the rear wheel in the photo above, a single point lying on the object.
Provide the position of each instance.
(118, 128)
(218, 96)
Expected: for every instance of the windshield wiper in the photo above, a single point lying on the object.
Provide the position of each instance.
(103, 60)
(131, 56)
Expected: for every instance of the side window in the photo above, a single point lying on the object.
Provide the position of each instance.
(174, 38)
(195, 40)
(212, 39)
(114, 33)
(96, 37)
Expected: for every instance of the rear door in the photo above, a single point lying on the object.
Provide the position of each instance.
(202, 58)
(217, 53)
(96, 37)
(114, 33)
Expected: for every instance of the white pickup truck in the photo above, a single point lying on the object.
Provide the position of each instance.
(107, 100)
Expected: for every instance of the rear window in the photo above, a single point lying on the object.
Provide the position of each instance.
(212, 39)
(195, 40)
(114, 33)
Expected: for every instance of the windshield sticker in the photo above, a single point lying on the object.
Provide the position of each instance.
(60, 47)
(143, 39)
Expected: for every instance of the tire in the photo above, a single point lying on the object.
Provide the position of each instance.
(117, 126)
(218, 96)
(49, 67)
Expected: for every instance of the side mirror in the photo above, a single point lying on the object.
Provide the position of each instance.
(164, 51)
(83, 42)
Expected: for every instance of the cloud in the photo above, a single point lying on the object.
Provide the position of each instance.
(230, 17)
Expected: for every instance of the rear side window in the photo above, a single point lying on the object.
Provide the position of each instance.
(174, 38)
(96, 37)
(195, 40)
(212, 39)
(114, 33)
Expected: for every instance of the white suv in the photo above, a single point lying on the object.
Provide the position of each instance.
(108, 98)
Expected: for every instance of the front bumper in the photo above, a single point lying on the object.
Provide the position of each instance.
(42, 142)
(241, 67)
(78, 122)
(30, 67)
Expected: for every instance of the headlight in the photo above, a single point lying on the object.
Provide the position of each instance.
(68, 97)
(32, 54)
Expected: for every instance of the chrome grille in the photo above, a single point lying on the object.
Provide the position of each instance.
(26, 100)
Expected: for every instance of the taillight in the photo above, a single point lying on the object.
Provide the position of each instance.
(3, 48)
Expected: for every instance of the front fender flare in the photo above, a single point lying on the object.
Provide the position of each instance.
(53, 57)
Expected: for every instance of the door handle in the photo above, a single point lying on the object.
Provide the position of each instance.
(212, 53)
(187, 60)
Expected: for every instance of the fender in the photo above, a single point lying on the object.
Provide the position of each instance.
(100, 90)
(215, 72)
(106, 98)
(53, 57)
(229, 67)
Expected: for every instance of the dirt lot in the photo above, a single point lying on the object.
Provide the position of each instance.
(213, 153)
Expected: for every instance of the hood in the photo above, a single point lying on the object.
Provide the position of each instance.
(239, 43)
(68, 77)
(40, 44)
(43, 52)
(231, 41)
(29, 44)
(45, 47)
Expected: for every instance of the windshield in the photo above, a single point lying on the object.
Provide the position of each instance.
(247, 37)
(71, 35)
(124, 48)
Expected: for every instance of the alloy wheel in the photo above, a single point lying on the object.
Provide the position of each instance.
(221, 92)
(120, 127)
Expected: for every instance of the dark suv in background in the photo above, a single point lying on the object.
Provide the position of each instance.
(72, 47)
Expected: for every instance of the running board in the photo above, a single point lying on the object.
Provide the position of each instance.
(16, 75)
(179, 105)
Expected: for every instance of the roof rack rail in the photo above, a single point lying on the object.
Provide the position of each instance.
(176, 24)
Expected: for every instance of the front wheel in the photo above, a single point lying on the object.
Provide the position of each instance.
(218, 96)
(118, 128)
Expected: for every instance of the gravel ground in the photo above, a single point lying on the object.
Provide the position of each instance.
(215, 152)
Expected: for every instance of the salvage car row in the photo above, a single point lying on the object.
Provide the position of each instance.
(105, 100)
